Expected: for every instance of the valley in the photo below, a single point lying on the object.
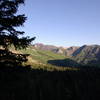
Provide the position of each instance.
(88, 55)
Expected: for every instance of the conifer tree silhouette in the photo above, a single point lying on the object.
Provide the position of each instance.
(9, 35)
(9, 20)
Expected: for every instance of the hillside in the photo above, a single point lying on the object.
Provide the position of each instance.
(87, 55)
(42, 56)
(66, 51)
(39, 59)
(60, 56)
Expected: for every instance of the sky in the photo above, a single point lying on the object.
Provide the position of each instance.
(62, 22)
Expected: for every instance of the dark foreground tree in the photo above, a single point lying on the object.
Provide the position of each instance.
(9, 20)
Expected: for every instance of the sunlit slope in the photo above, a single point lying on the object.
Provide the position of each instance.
(38, 59)
(42, 56)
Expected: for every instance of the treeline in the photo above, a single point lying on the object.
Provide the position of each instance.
(28, 84)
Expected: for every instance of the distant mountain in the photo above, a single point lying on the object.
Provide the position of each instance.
(61, 56)
(87, 55)
(41, 46)
(68, 51)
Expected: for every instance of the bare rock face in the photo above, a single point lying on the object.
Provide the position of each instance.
(44, 47)
(88, 54)
(69, 51)
(60, 50)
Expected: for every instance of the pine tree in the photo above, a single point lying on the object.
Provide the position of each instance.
(9, 20)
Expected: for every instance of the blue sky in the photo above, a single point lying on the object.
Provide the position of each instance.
(63, 22)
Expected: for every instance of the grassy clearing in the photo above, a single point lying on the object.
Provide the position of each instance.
(42, 56)
(38, 59)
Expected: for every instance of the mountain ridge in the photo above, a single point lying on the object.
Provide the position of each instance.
(60, 50)
(86, 54)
